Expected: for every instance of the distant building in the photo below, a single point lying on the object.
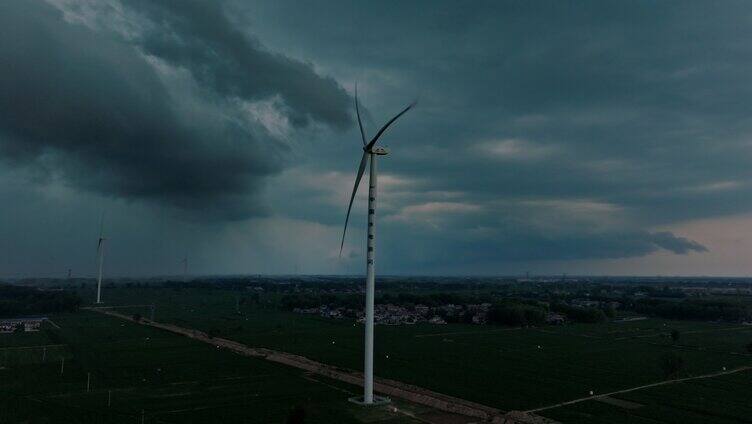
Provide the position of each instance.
(555, 319)
(436, 320)
(27, 323)
(586, 303)
(480, 317)
(614, 304)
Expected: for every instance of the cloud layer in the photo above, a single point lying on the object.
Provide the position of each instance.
(547, 133)
(581, 131)
(160, 117)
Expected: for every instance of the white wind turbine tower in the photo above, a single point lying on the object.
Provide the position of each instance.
(369, 152)
(100, 254)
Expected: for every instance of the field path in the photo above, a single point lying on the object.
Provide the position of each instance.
(392, 388)
(646, 386)
(31, 347)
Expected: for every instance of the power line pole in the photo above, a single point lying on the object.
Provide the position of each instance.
(62, 365)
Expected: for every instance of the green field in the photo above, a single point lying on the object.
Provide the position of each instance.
(29, 348)
(135, 370)
(724, 399)
(512, 369)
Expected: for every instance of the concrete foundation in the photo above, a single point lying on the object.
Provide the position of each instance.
(377, 401)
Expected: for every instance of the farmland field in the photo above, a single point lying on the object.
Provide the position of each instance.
(724, 399)
(29, 348)
(508, 368)
(135, 371)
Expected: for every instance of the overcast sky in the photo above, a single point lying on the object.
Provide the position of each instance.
(550, 136)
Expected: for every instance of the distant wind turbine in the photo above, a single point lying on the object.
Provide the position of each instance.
(185, 268)
(370, 151)
(100, 254)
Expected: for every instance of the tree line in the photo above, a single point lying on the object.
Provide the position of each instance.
(694, 309)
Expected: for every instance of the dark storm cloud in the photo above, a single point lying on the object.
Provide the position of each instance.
(506, 235)
(680, 245)
(546, 130)
(90, 109)
(643, 106)
(197, 35)
(505, 247)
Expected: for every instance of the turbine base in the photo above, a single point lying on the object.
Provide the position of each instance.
(377, 401)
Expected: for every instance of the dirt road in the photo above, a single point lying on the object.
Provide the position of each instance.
(388, 387)
(646, 386)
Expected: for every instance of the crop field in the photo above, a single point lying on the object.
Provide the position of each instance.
(724, 399)
(29, 348)
(508, 368)
(137, 374)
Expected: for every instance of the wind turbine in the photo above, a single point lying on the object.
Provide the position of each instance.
(185, 267)
(370, 151)
(100, 253)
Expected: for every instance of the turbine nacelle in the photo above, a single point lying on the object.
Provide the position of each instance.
(381, 151)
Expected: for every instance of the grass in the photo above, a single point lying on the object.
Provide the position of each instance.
(131, 368)
(29, 348)
(720, 400)
(506, 368)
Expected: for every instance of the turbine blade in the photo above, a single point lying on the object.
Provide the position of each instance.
(381, 131)
(367, 118)
(357, 112)
(361, 170)
(101, 225)
(101, 232)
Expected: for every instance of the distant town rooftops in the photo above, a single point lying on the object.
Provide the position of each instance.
(33, 323)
